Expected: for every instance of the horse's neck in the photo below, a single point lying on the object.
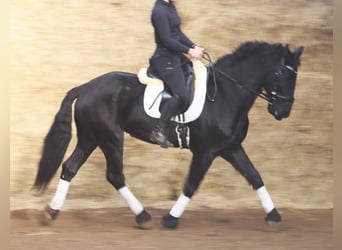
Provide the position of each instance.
(241, 90)
(243, 77)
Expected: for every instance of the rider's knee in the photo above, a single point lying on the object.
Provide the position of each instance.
(181, 99)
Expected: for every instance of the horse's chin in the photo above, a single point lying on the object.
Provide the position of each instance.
(280, 111)
(278, 118)
(280, 115)
(276, 114)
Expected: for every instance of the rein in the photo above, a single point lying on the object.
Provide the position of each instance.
(213, 69)
(262, 95)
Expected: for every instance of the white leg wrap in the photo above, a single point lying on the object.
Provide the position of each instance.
(131, 200)
(265, 199)
(60, 195)
(180, 205)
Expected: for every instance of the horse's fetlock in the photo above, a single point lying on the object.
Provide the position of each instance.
(67, 173)
(189, 190)
(117, 181)
(257, 185)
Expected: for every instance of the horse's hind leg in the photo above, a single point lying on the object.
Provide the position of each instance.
(82, 151)
(240, 161)
(112, 147)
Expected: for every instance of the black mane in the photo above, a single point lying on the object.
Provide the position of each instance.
(249, 49)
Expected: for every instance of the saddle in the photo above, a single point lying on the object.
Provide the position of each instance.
(189, 82)
(156, 94)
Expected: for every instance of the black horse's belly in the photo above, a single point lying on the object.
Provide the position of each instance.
(215, 137)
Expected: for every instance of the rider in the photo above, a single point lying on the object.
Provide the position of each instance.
(167, 62)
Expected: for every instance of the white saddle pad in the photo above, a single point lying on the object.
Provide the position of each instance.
(153, 97)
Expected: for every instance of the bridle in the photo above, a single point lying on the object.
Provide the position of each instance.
(273, 95)
(271, 98)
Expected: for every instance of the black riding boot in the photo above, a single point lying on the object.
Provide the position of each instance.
(160, 133)
(161, 130)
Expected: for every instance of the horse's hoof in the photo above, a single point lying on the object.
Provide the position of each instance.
(49, 215)
(170, 222)
(144, 220)
(273, 217)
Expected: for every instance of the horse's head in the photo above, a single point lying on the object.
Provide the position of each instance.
(280, 84)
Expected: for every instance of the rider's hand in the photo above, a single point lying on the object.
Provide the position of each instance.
(196, 52)
(200, 48)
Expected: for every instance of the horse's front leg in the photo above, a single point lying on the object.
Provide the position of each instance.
(239, 159)
(198, 168)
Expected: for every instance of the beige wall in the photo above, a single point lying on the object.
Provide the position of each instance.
(56, 45)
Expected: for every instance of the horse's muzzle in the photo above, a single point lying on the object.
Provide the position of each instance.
(280, 111)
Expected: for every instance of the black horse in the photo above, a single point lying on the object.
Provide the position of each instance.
(112, 104)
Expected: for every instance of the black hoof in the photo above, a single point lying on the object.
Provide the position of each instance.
(170, 222)
(49, 215)
(143, 220)
(273, 217)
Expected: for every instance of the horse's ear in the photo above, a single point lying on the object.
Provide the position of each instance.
(299, 51)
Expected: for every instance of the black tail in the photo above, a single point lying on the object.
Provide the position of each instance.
(56, 142)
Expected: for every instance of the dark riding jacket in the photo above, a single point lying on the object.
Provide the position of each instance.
(166, 23)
